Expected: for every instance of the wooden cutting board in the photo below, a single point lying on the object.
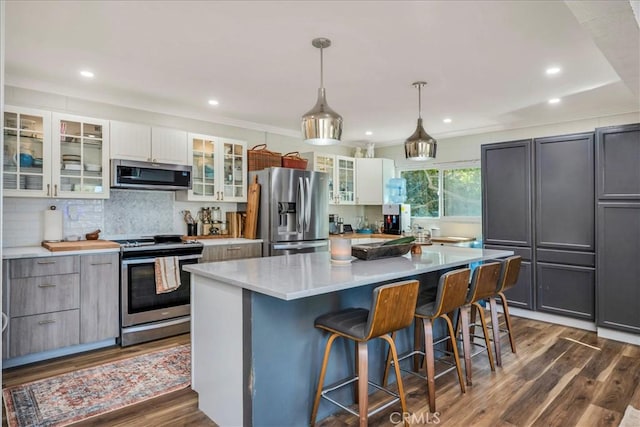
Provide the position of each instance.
(80, 245)
(253, 202)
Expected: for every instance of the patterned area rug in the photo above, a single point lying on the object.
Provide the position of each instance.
(68, 398)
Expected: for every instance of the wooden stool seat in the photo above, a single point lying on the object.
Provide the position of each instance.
(392, 309)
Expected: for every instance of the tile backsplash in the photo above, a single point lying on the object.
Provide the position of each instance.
(126, 214)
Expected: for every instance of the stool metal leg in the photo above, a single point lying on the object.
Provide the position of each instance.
(495, 328)
(363, 383)
(323, 371)
(417, 342)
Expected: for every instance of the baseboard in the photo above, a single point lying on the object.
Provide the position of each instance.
(552, 318)
(50, 354)
(627, 337)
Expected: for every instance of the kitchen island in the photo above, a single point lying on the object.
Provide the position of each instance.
(255, 352)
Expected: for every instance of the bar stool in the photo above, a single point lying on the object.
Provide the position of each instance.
(451, 294)
(484, 284)
(508, 278)
(392, 309)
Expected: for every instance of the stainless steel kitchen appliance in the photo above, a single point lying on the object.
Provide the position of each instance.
(397, 218)
(293, 211)
(149, 175)
(146, 315)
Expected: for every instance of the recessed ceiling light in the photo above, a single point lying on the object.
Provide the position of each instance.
(213, 102)
(554, 100)
(447, 120)
(87, 74)
(368, 133)
(553, 70)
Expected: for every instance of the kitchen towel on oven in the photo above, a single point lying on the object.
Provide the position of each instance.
(167, 274)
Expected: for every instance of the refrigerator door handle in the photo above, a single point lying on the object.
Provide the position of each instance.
(300, 245)
(307, 210)
(300, 208)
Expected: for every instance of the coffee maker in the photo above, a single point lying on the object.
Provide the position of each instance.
(397, 218)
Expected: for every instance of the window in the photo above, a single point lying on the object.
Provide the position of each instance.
(444, 192)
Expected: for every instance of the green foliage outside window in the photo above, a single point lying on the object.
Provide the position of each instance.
(422, 192)
(461, 192)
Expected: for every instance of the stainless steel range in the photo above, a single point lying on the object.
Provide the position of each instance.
(146, 315)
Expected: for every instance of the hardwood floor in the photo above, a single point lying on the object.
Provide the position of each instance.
(175, 409)
(559, 377)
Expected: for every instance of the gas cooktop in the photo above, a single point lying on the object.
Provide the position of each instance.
(160, 241)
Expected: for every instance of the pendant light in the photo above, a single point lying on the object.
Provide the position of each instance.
(420, 145)
(321, 125)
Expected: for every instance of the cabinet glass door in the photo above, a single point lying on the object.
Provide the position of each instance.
(346, 180)
(24, 154)
(81, 158)
(235, 171)
(203, 158)
(327, 164)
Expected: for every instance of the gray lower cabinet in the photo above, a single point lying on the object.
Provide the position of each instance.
(567, 290)
(618, 261)
(231, 251)
(59, 301)
(99, 307)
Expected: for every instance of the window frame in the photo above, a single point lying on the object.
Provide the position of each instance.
(441, 167)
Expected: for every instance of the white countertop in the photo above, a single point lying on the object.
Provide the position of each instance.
(39, 251)
(290, 277)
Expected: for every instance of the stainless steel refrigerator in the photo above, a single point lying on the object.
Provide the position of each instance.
(293, 215)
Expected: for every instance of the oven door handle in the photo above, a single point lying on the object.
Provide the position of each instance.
(151, 260)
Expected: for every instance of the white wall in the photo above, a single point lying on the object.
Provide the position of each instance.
(467, 148)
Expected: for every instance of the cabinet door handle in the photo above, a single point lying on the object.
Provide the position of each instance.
(233, 249)
(46, 322)
(48, 190)
(102, 263)
(55, 190)
(47, 285)
(46, 262)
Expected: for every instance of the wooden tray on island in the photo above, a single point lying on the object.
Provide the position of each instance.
(370, 251)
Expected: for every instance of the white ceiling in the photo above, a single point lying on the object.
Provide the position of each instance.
(484, 61)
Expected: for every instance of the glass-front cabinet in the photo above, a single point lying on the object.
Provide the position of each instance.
(27, 150)
(80, 165)
(219, 169)
(342, 175)
(346, 180)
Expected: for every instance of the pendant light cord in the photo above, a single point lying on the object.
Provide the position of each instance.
(420, 101)
(321, 70)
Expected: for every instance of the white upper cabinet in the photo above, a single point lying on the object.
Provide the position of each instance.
(133, 141)
(27, 152)
(55, 155)
(342, 175)
(372, 177)
(80, 157)
(219, 168)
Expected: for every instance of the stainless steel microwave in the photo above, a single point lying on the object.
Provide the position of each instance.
(149, 175)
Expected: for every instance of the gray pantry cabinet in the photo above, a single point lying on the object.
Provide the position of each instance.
(59, 301)
(618, 227)
(538, 201)
(507, 209)
(565, 225)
